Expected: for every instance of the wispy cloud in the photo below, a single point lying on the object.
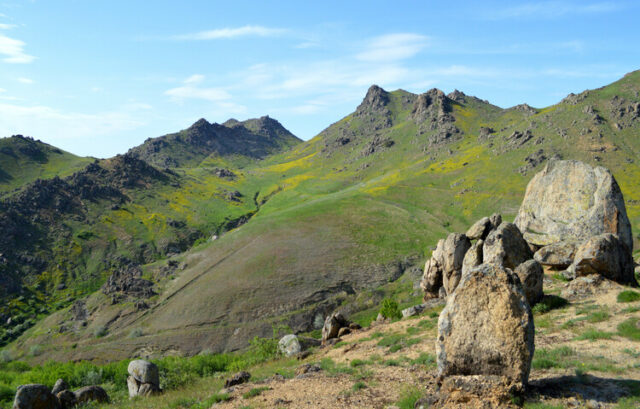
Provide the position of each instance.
(25, 80)
(551, 9)
(6, 26)
(191, 90)
(393, 47)
(13, 50)
(226, 33)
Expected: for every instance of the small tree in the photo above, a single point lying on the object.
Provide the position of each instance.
(390, 309)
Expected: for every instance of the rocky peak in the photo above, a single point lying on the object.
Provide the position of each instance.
(526, 108)
(457, 96)
(376, 100)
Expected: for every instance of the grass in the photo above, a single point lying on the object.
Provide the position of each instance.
(628, 296)
(629, 329)
(549, 303)
(425, 359)
(408, 398)
(593, 334)
(255, 392)
(567, 358)
(358, 386)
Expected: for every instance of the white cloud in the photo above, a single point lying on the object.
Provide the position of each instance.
(393, 47)
(3, 90)
(25, 80)
(13, 50)
(191, 91)
(551, 9)
(223, 33)
(6, 26)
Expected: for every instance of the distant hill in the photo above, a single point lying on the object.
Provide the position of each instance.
(23, 160)
(254, 138)
(210, 254)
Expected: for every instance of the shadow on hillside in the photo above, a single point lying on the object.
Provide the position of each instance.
(587, 387)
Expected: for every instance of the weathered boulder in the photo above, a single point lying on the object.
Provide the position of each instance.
(137, 388)
(144, 371)
(486, 328)
(570, 201)
(332, 326)
(505, 246)
(413, 310)
(496, 220)
(35, 396)
(557, 255)
(431, 282)
(455, 248)
(479, 229)
(90, 394)
(237, 379)
(289, 345)
(531, 276)
(606, 255)
(474, 257)
(67, 399)
(59, 386)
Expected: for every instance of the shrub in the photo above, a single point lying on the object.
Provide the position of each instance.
(5, 356)
(628, 296)
(408, 398)
(548, 303)
(390, 309)
(35, 350)
(357, 362)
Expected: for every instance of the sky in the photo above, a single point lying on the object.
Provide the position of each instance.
(99, 77)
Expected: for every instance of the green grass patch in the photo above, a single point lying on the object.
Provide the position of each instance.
(425, 359)
(408, 398)
(541, 405)
(358, 362)
(593, 334)
(549, 303)
(358, 386)
(628, 296)
(255, 392)
(629, 329)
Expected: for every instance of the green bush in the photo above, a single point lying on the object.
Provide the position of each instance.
(628, 296)
(549, 302)
(390, 309)
(629, 329)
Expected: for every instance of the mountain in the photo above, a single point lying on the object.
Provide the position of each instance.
(254, 138)
(23, 160)
(346, 219)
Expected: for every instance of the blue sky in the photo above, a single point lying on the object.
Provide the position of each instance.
(98, 77)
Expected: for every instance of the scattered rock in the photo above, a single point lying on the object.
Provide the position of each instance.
(289, 345)
(307, 368)
(486, 328)
(505, 246)
(414, 310)
(570, 201)
(59, 386)
(237, 379)
(606, 255)
(67, 399)
(531, 276)
(91, 394)
(35, 396)
(332, 326)
(557, 255)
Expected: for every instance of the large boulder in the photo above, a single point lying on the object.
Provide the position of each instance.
(332, 326)
(431, 282)
(474, 256)
(606, 255)
(505, 246)
(35, 396)
(455, 247)
(486, 328)
(137, 388)
(482, 228)
(289, 345)
(570, 201)
(531, 276)
(144, 371)
(557, 255)
(67, 399)
(91, 394)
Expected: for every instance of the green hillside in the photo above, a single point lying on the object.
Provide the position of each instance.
(23, 160)
(233, 245)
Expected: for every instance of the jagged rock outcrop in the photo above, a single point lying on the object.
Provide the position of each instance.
(332, 326)
(128, 281)
(486, 328)
(445, 266)
(571, 201)
(505, 246)
(474, 256)
(605, 255)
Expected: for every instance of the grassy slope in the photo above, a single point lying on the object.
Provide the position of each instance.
(333, 219)
(23, 160)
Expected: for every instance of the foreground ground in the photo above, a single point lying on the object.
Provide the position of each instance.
(587, 355)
